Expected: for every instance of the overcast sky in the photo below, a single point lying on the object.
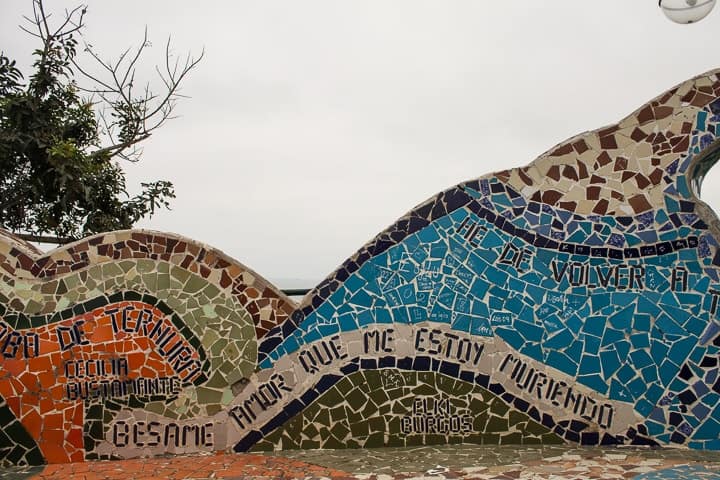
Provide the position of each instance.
(313, 125)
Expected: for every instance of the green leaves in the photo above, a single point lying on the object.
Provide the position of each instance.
(10, 75)
(55, 176)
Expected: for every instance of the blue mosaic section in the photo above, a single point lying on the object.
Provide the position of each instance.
(622, 327)
(668, 242)
(595, 260)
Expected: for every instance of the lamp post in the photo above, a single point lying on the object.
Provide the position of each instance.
(686, 11)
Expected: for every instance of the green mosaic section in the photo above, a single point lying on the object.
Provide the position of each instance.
(394, 408)
(225, 329)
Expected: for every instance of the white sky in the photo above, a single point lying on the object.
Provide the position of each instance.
(312, 125)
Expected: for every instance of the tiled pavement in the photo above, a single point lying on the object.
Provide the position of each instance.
(457, 462)
(228, 466)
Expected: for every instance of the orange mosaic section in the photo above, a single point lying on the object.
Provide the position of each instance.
(267, 305)
(111, 352)
(212, 466)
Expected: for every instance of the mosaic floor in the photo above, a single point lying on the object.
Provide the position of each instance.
(431, 463)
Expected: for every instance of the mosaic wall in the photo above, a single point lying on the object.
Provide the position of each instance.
(574, 300)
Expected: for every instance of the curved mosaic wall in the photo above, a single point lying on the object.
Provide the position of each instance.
(571, 300)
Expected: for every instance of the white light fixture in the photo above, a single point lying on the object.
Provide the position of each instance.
(686, 11)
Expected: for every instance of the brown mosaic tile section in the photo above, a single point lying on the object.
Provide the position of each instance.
(267, 305)
(619, 169)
